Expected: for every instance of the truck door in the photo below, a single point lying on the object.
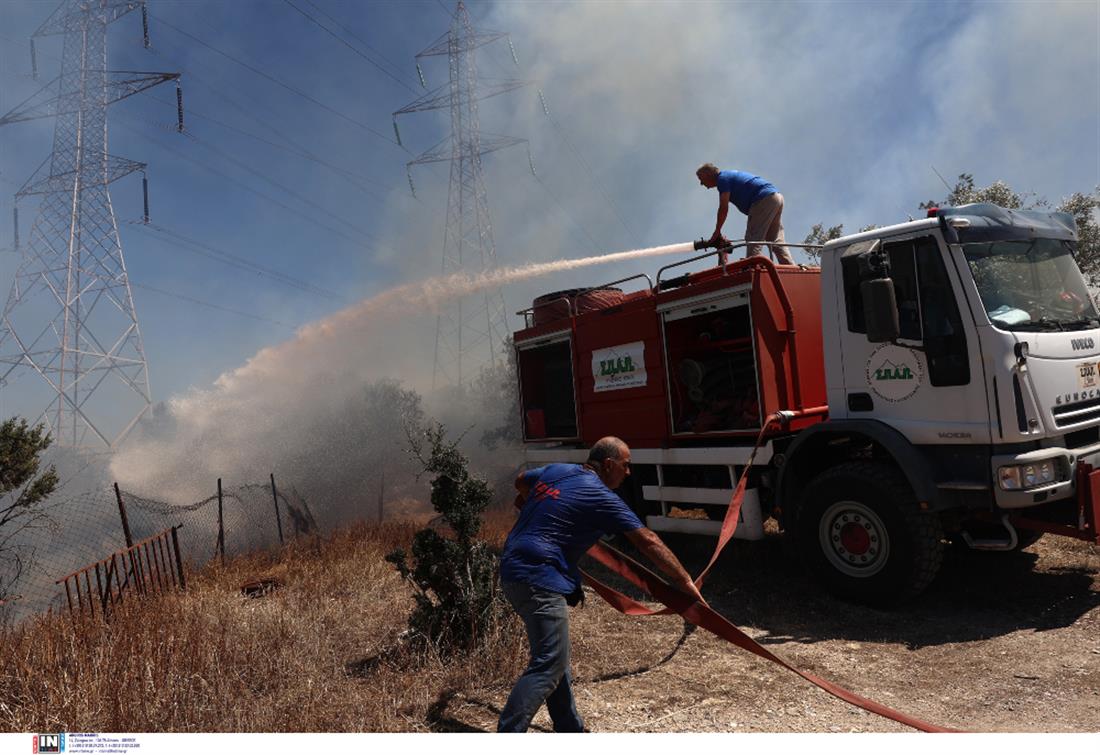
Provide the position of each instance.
(929, 383)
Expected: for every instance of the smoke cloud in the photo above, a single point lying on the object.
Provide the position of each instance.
(287, 408)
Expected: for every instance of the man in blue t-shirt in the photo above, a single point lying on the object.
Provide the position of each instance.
(753, 196)
(564, 510)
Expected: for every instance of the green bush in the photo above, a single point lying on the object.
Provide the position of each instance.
(457, 596)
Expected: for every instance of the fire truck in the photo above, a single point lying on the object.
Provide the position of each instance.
(932, 382)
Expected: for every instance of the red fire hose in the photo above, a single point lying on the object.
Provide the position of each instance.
(705, 617)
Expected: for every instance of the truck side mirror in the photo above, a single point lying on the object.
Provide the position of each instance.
(880, 310)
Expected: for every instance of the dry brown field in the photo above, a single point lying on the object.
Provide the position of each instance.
(1000, 642)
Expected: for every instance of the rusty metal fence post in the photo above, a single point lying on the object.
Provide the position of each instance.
(278, 519)
(221, 524)
(179, 561)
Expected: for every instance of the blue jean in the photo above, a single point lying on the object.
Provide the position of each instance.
(547, 677)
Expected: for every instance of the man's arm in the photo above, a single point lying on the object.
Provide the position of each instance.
(524, 488)
(723, 210)
(646, 540)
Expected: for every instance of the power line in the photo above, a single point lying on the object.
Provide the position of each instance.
(202, 249)
(246, 187)
(202, 303)
(348, 45)
(578, 226)
(282, 84)
(352, 178)
(263, 177)
(394, 65)
(588, 168)
(292, 145)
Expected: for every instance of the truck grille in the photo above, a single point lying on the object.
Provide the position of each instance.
(1074, 414)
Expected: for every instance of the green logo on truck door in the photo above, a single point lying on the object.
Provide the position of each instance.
(894, 373)
(618, 366)
(891, 371)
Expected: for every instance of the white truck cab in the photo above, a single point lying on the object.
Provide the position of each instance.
(994, 363)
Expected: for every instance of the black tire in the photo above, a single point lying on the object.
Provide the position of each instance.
(860, 532)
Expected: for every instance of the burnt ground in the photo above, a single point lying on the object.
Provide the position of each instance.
(999, 642)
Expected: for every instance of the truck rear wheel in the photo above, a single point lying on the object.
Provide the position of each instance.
(861, 533)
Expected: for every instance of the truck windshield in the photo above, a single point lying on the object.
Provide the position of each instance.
(1031, 285)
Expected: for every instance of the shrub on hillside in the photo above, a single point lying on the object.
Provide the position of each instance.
(457, 596)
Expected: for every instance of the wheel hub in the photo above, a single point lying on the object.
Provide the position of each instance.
(854, 539)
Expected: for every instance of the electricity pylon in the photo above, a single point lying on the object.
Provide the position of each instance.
(70, 315)
(467, 330)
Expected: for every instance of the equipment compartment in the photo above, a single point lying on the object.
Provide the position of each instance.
(712, 375)
(546, 389)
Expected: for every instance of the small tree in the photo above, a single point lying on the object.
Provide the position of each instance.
(22, 491)
(819, 234)
(457, 601)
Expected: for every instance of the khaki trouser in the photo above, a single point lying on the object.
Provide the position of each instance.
(766, 224)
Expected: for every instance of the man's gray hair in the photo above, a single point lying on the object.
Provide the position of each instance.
(710, 168)
(606, 448)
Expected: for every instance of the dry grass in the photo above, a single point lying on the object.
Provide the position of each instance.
(319, 653)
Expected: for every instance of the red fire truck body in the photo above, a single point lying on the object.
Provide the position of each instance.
(768, 300)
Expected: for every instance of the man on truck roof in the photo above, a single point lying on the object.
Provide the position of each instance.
(753, 196)
(565, 509)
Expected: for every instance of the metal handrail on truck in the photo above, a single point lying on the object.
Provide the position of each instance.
(760, 261)
(725, 250)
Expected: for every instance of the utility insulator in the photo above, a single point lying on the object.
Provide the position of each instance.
(145, 24)
(34, 61)
(397, 133)
(513, 49)
(15, 225)
(411, 187)
(420, 73)
(145, 196)
(543, 101)
(531, 162)
(179, 107)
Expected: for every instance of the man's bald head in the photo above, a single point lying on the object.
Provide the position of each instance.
(606, 448)
(610, 457)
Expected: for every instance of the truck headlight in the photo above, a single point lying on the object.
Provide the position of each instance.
(1010, 478)
(1027, 476)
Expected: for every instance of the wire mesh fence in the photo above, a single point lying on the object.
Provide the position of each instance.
(70, 533)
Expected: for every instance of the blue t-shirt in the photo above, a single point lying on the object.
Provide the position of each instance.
(744, 188)
(567, 511)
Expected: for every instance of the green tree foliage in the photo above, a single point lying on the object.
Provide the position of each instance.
(23, 489)
(821, 235)
(1085, 209)
(457, 596)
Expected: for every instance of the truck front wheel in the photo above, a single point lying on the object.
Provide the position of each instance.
(861, 532)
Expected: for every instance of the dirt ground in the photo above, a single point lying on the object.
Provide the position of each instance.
(1000, 642)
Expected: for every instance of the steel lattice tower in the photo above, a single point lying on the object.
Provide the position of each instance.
(469, 332)
(70, 315)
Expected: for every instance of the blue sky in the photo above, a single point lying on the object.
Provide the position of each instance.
(846, 107)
